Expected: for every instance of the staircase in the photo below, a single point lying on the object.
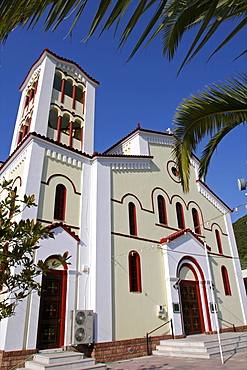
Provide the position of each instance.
(62, 361)
(202, 345)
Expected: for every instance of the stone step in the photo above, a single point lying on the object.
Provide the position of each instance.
(180, 354)
(94, 367)
(56, 357)
(202, 346)
(193, 355)
(200, 349)
(35, 365)
(62, 361)
(185, 342)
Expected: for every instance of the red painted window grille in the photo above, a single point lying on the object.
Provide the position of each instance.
(60, 201)
(180, 216)
(218, 239)
(132, 219)
(162, 210)
(226, 281)
(196, 221)
(134, 272)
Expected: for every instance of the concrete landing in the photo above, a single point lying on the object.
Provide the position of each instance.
(203, 346)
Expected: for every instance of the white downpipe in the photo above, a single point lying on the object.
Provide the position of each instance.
(214, 303)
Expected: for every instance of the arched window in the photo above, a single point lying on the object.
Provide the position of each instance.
(57, 84)
(180, 216)
(60, 202)
(134, 272)
(68, 88)
(77, 130)
(79, 94)
(196, 221)
(52, 120)
(65, 125)
(162, 210)
(219, 244)
(226, 282)
(132, 219)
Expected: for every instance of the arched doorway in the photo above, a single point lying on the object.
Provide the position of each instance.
(52, 307)
(193, 297)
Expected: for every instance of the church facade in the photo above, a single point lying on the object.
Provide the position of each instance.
(142, 252)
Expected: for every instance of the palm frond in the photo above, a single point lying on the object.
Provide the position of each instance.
(216, 108)
(212, 145)
(172, 18)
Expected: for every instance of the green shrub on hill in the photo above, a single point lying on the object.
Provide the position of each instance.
(240, 230)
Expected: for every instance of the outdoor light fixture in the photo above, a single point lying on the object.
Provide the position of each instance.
(242, 184)
(176, 285)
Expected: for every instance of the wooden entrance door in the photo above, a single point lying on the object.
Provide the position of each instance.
(190, 307)
(52, 310)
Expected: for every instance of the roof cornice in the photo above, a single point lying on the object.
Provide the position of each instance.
(57, 59)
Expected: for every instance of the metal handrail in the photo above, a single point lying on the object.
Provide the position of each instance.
(147, 335)
(234, 329)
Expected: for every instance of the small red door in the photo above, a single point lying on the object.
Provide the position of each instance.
(52, 310)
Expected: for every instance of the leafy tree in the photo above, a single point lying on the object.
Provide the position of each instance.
(18, 243)
(170, 18)
(214, 111)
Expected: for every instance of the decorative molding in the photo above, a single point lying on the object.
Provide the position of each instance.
(74, 71)
(63, 158)
(211, 197)
(131, 165)
(17, 161)
(33, 79)
(160, 140)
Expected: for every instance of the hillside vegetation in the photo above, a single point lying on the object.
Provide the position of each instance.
(240, 230)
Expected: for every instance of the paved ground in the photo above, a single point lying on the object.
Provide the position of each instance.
(237, 361)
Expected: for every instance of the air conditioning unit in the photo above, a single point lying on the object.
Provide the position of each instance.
(81, 326)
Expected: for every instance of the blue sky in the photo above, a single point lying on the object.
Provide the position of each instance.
(145, 90)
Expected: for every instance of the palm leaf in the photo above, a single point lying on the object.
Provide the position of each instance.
(172, 17)
(212, 146)
(206, 113)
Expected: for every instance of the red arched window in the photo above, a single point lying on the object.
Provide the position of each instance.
(218, 239)
(226, 282)
(196, 221)
(132, 219)
(180, 216)
(162, 210)
(135, 272)
(60, 201)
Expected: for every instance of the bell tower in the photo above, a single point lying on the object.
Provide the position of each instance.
(57, 102)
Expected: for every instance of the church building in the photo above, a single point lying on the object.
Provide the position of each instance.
(142, 251)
